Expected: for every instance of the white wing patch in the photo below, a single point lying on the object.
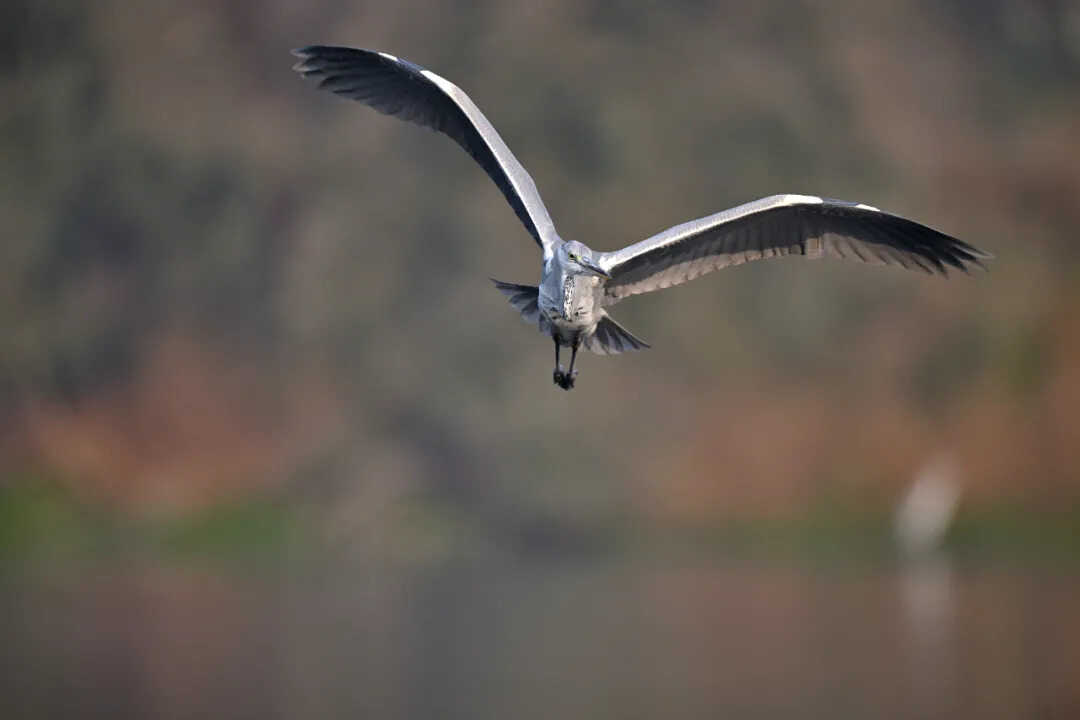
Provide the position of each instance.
(871, 208)
(389, 57)
(801, 200)
(438, 80)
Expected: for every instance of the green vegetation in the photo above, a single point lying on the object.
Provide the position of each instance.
(44, 529)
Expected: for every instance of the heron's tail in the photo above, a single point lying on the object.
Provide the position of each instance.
(611, 338)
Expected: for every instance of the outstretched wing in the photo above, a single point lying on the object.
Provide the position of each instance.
(398, 87)
(781, 225)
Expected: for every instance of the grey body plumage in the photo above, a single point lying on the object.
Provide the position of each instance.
(578, 284)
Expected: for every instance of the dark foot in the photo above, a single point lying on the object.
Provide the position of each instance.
(558, 377)
(564, 380)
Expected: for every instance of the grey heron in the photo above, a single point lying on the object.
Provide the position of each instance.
(578, 284)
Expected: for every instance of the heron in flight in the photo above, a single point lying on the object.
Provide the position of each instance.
(579, 284)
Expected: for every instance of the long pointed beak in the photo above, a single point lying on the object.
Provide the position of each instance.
(594, 268)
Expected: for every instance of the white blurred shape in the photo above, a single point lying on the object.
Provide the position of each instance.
(923, 516)
(926, 511)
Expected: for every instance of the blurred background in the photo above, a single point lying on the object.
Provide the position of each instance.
(271, 445)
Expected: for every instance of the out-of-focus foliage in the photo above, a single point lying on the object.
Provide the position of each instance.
(215, 281)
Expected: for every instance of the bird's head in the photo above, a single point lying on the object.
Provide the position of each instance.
(577, 259)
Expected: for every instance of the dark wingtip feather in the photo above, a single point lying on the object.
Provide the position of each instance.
(315, 59)
(975, 256)
(325, 50)
(946, 251)
(964, 256)
(306, 54)
(300, 65)
(972, 250)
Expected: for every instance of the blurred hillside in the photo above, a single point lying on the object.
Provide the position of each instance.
(218, 284)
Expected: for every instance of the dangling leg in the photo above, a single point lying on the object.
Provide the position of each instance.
(571, 373)
(559, 377)
(565, 380)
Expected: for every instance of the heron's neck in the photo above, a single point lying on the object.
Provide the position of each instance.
(551, 276)
(556, 277)
(557, 284)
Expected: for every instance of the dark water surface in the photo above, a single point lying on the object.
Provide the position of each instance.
(598, 640)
